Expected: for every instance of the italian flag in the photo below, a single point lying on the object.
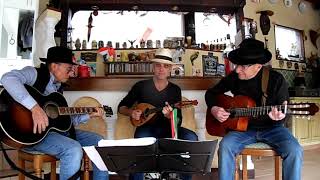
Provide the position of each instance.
(174, 123)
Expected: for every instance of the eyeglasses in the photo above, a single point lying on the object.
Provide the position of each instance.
(67, 68)
(245, 66)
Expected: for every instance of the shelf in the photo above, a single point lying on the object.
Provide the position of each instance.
(124, 83)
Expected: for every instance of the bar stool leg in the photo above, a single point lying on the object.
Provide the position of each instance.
(244, 167)
(277, 160)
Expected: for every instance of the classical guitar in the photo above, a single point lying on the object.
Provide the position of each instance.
(149, 111)
(17, 124)
(242, 108)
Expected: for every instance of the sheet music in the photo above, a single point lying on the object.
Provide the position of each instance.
(96, 158)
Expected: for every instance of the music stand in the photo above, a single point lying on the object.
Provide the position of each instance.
(164, 156)
(182, 156)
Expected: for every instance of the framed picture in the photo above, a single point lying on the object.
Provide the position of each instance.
(177, 70)
(221, 70)
(89, 56)
(209, 63)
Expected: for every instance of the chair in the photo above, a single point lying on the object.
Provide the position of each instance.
(257, 149)
(95, 125)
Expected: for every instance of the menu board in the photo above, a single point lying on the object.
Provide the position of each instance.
(209, 63)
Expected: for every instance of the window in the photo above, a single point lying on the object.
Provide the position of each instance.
(122, 26)
(210, 27)
(289, 43)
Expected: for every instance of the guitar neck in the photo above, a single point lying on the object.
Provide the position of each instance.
(75, 110)
(263, 110)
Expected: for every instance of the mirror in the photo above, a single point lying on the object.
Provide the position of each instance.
(16, 33)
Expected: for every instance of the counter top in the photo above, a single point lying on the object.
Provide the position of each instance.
(124, 83)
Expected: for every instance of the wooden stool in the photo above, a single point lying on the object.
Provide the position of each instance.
(257, 149)
(39, 158)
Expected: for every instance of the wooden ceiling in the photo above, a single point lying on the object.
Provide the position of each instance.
(221, 6)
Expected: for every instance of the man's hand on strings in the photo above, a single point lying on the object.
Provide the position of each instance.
(40, 119)
(276, 114)
(136, 114)
(167, 110)
(219, 113)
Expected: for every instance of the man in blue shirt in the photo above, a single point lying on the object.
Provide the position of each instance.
(47, 79)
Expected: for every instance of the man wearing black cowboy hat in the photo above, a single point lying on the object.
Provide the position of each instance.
(247, 80)
(47, 79)
(158, 92)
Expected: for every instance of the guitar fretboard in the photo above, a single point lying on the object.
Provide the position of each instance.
(263, 110)
(75, 110)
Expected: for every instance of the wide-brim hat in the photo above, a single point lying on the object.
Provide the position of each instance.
(250, 51)
(163, 56)
(58, 54)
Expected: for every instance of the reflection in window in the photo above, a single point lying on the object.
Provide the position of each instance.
(210, 27)
(122, 26)
(289, 43)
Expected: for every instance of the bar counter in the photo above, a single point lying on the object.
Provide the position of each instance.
(124, 83)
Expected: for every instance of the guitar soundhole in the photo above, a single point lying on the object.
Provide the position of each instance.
(51, 111)
(146, 113)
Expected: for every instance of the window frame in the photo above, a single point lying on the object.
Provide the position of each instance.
(301, 32)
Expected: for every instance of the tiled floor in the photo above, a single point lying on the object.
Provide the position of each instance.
(311, 166)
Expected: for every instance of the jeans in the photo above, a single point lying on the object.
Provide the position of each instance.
(69, 152)
(279, 138)
(151, 131)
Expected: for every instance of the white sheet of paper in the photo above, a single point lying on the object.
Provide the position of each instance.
(95, 157)
(128, 142)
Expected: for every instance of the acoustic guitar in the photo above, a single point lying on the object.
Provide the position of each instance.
(17, 124)
(242, 108)
(149, 111)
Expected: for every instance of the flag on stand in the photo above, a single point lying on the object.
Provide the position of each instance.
(174, 123)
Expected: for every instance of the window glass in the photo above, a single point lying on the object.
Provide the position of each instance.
(210, 27)
(122, 26)
(289, 43)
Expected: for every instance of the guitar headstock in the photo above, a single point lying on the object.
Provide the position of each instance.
(108, 110)
(182, 104)
(303, 109)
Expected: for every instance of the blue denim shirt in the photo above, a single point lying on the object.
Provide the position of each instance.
(14, 81)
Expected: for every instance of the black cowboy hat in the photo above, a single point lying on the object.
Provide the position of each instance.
(250, 51)
(58, 54)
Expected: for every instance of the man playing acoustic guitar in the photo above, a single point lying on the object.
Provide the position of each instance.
(47, 79)
(158, 92)
(247, 80)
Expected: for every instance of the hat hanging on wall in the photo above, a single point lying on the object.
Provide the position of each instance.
(265, 21)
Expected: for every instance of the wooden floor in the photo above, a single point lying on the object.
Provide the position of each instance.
(264, 167)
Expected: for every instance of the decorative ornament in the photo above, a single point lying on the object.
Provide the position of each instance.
(273, 1)
(302, 7)
(287, 3)
(265, 21)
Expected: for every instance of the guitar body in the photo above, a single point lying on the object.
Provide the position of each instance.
(216, 128)
(145, 116)
(17, 124)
